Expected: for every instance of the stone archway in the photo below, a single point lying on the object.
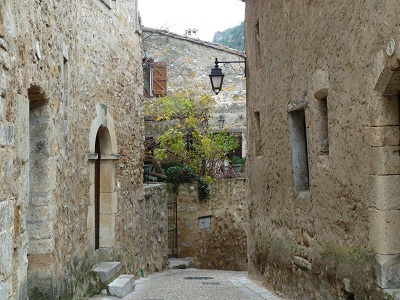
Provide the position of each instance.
(383, 138)
(40, 219)
(103, 194)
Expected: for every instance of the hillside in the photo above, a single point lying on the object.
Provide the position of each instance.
(231, 37)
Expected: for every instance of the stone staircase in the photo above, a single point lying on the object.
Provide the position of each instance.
(112, 284)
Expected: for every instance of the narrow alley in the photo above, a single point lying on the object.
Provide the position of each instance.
(196, 284)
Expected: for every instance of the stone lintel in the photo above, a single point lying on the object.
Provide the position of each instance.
(297, 106)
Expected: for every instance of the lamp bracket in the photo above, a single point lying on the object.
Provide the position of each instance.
(243, 69)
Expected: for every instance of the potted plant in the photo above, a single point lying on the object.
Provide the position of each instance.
(237, 163)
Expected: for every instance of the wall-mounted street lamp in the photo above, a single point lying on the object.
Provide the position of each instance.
(217, 77)
(221, 121)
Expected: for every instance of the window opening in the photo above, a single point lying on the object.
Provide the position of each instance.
(323, 126)
(204, 222)
(154, 78)
(257, 40)
(299, 150)
(257, 133)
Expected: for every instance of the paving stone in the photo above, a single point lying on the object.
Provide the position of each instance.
(172, 285)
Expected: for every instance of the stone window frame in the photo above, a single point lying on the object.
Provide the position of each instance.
(300, 147)
(320, 89)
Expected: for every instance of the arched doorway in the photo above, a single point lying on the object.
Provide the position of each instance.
(103, 196)
(382, 135)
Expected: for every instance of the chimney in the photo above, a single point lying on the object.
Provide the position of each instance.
(191, 33)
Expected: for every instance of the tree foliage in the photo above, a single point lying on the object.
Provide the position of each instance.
(186, 132)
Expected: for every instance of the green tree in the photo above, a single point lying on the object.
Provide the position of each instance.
(186, 133)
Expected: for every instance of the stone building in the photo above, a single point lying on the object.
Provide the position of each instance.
(175, 62)
(71, 147)
(323, 158)
(213, 232)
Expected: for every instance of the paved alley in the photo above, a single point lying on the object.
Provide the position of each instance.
(195, 284)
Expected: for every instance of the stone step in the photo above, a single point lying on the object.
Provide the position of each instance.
(180, 263)
(121, 286)
(107, 270)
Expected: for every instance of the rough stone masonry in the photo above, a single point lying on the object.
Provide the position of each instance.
(71, 147)
(323, 162)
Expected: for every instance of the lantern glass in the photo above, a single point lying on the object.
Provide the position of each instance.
(216, 78)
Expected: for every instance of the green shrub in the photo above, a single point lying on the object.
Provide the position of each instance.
(169, 164)
(238, 160)
(183, 174)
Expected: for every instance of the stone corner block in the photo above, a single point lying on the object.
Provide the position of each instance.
(385, 191)
(382, 136)
(383, 111)
(384, 230)
(385, 160)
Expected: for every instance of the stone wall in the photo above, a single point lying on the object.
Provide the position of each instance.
(71, 73)
(189, 62)
(223, 245)
(319, 76)
(152, 246)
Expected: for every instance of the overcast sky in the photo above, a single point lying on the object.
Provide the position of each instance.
(207, 16)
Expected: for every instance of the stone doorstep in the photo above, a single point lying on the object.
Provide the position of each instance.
(179, 263)
(393, 292)
(122, 286)
(107, 270)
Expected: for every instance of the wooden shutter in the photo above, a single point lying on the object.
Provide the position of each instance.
(159, 79)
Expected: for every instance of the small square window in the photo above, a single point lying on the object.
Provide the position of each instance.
(204, 222)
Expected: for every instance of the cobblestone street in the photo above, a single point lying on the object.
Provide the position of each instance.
(195, 284)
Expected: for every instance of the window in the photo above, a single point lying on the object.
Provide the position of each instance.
(299, 150)
(322, 129)
(257, 41)
(257, 133)
(155, 78)
(204, 222)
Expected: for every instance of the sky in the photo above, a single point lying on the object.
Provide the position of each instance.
(207, 16)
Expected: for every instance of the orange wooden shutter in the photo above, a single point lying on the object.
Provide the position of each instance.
(159, 79)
